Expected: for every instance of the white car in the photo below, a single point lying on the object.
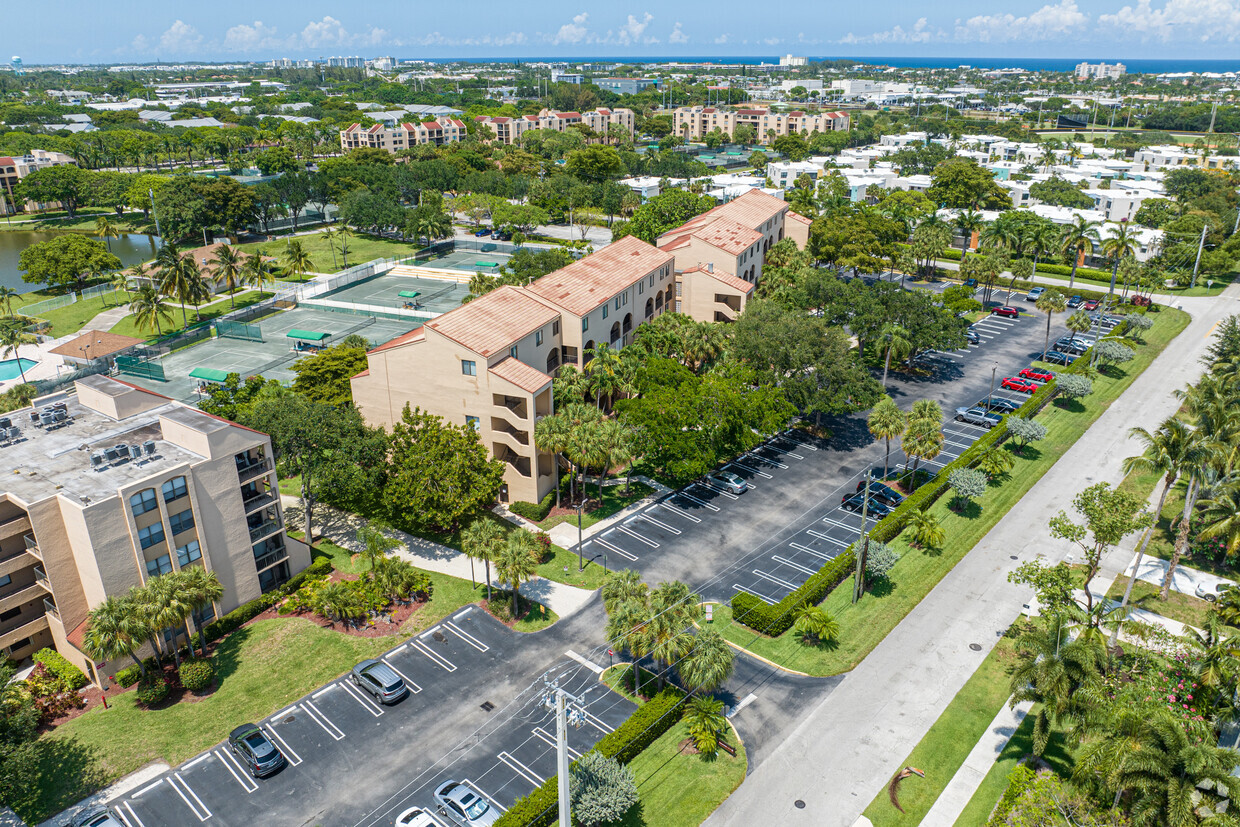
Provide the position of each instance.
(1210, 592)
(417, 817)
(727, 481)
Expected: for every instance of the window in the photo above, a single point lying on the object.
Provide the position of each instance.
(151, 535)
(188, 553)
(641, 287)
(469, 368)
(203, 617)
(143, 502)
(605, 309)
(555, 328)
(6, 579)
(183, 521)
(473, 422)
(617, 302)
(512, 351)
(538, 338)
(585, 324)
(625, 298)
(10, 614)
(21, 644)
(174, 489)
(652, 276)
(160, 565)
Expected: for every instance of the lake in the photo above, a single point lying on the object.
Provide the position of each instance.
(130, 249)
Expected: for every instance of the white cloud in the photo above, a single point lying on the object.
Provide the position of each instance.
(574, 32)
(250, 37)
(180, 38)
(631, 32)
(140, 44)
(677, 36)
(438, 39)
(1047, 23)
(721, 39)
(919, 33)
(771, 41)
(326, 32)
(1198, 20)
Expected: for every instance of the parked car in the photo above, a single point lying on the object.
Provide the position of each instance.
(1092, 304)
(464, 806)
(1058, 358)
(1037, 375)
(255, 749)
(482, 232)
(417, 817)
(1075, 301)
(1075, 346)
(998, 403)
(1034, 293)
(501, 235)
(855, 502)
(1211, 593)
(727, 481)
(972, 337)
(1017, 384)
(1005, 310)
(970, 283)
(98, 817)
(880, 492)
(380, 680)
(977, 416)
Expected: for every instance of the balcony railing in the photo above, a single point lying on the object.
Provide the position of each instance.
(40, 577)
(24, 631)
(32, 546)
(49, 606)
(257, 501)
(253, 469)
(270, 559)
(264, 529)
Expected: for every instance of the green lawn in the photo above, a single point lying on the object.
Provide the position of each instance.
(943, 749)
(865, 624)
(615, 498)
(362, 248)
(71, 319)
(84, 221)
(1182, 607)
(129, 327)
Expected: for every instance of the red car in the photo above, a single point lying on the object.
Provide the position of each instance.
(1014, 383)
(1037, 375)
(1005, 310)
(1092, 304)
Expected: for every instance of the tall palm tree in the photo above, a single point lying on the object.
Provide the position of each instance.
(1116, 735)
(106, 230)
(176, 277)
(296, 260)
(171, 606)
(201, 588)
(708, 664)
(624, 585)
(617, 443)
(7, 294)
(1077, 239)
(119, 280)
(341, 237)
(12, 337)
(551, 435)
(894, 340)
(148, 307)
(601, 368)
(228, 263)
(114, 630)
(585, 449)
(968, 222)
(673, 609)
(1079, 322)
(518, 562)
(256, 271)
(1058, 672)
(197, 290)
(628, 626)
(1037, 239)
(886, 422)
(923, 440)
(1120, 244)
(1175, 758)
(142, 604)
(482, 540)
(1050, 303)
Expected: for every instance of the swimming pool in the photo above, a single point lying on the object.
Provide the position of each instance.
(9, 368)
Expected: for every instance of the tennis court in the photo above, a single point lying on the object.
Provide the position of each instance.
(471, 261)
(399, 289)
(274, 356)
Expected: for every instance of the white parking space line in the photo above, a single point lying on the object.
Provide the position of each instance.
(205, 756)
(746, 701)
(293, 758)
(956, 444)
(589, 664)
(791, 564)
(613, 548)
(322, 720)
(841, 525)
(768, 600)
(324, 691)
(808, 550)
(774, 579)
(520, 769)
(413, 687)
(133, 819)
(801, 444)
(637, 536)
(828, 538)
(792, 454)
(439, 660)
(767, 460)
(679, 513)
(762, 474)
(147, 789)
(598, 723)
(716, 490)
(694, 499)
(465, 636)
(462, 613)
(549, 739)
(485, 795)
(201, 810)
(362, 698)
(655, 522)
(234, 769)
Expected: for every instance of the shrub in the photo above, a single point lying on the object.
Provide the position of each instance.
(602, 789)
(1024, 430)
(534, 512)
(128, 676)
(880, 558)
(1075, 386)
(243, 614)
(777, 619)
(968, 483)
(197, 673)
(1018, 782)
(56, 663)
(151, 690)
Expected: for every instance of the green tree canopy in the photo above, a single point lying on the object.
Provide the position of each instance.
(664, 212)
(66, 260)
(324, 376)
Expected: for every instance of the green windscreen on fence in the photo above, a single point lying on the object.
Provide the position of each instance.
(409, 294)
(136, 366)
(226, 329)
(487, 264)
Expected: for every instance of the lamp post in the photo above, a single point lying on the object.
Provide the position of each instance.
(993, 369)
(158, 233)
(580, 503)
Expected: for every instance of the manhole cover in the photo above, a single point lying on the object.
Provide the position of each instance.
(1012, 557)
(799, 804)
(976, 647)
(289, 719)
(439, 636)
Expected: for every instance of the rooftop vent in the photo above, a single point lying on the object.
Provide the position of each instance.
(149, 447)
(96, 461)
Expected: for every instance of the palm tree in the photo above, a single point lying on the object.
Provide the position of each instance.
(1220, 514)
(227, 264)
(621, 586)
(256, 271)
(296, 260)
(616, 442)
(197, 290)
(628, 620)
(585, 448)
(551, 435)
(673, 609)
(922, 440)
(601, 369)
(706, 723)
(106, 230)
(968, 222)
(176, 275)
(375, 543)
(170, 606)
(1119, 245)
(120, 280)
(7, 294)
(481, 540)
(1118, 734)
(1176, 757)
(12, 337)
(1057, 672)
(518, 562)
(148, 307)
(114, 630)
(708, 665)
(895, 340)
(1050, 303)
(201, 588)
(927, 530)
(886, 422)
(1079, 322)
(1039, 238)
(1078, 238)
(342, 234)
(1218, 657)
(815, 625)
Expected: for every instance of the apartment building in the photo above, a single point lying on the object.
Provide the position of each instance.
(13, 170)
(441, 130)
(626, 86)
(1100, 71)
(112, 485)
(696, 122)
(509, 130)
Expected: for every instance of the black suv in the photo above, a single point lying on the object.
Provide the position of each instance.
(251, 745)
(880, 492)
(855, 502)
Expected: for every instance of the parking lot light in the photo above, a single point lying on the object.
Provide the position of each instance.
(580, 503)
(994, 368)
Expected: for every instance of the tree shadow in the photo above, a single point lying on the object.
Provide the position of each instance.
(969, 509)
(848, 433)
(1070, 405)
(67, 771)
(1028, 452)
(227, 654)
(881, 587)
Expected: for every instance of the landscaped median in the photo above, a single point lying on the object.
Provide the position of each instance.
(864, 624)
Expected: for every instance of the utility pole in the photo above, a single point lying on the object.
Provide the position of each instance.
(1213, 112)
(151, 192)
(569, 709)
(863, 544)
(1201, 245)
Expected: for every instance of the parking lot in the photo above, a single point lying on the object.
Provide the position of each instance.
(464, 720)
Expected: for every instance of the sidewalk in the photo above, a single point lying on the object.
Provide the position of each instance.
(565, 535)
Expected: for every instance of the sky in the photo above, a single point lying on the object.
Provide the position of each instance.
(144, 30)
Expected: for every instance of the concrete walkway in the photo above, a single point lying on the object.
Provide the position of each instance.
(341, 528)
(846, 748)
(1185, 580)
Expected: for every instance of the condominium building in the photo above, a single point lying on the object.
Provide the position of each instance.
(112, 485)
(12, 170)
(441, 130)
(509, 130)
(626, 86)
(793, 60)
(696, 122)
(1100, 71)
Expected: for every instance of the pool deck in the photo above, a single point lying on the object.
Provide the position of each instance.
(49, 364)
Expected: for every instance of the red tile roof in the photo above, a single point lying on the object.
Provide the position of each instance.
(529, 379)
(587, 283)
(493, 322)
(723, 278)
(798, 218)
(753, 209)
(77, 635)
(412, 336)
(728, 236)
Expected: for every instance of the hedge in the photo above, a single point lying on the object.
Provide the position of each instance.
(128, 676)
(534, 512)
(245, 613)
(73, 678)
(1019, 782)
(777, 619)
(151, 690)
(952, 254)
(647, 723)
(196, 673)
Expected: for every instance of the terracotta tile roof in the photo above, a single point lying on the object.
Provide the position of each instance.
(675, 243)
(77, 635)
(363, 373)
(585, 284)
(432, 126)
(751, 111)
(728, 236)
(527, 378)
(835, 115)
(6, 160)
(493, 322)
(408, 338)
(731, 281)
(95, 344)
(797, 217)
(753, 209)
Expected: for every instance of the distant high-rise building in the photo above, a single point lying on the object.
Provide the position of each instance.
(384, 64)
(793, 60)
(1100, 71)
(346, 62)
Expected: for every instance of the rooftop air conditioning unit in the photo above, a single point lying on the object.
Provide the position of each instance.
(135, 452)
(149, 447)
(15, 433)
(96, 461)
(110, 453)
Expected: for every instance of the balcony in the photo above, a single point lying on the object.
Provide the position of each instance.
(22, 596)
(49, 606)
(39, 624)
(256, 501)
(40, 578)
(518, 439)
(265, 529)
(509, 406)
(250, 470)
(11, 528)
(32, 547)
(17, 562)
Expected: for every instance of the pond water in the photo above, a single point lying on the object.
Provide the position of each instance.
(130, 249)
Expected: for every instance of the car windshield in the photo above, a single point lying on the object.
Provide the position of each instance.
(474, 807)
(260, 745)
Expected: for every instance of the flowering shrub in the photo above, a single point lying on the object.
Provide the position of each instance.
(1150, 680)
(51, 695)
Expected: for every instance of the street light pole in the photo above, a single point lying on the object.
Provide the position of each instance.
(580, 564)
(158, 233)
(994, 368)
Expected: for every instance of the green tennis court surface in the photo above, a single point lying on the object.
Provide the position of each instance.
(398, 290)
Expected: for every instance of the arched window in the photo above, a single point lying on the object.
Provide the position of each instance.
(143, 502)
(174, 489)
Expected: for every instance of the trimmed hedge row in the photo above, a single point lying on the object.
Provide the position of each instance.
(952, 254)
(534, 512)
(247, 612)
(647, 723)
(56, 663)
(777, 619)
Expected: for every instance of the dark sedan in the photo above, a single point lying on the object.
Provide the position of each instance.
(1075, 301)
(254, 748)
(998, 403)
(1057, 358)
(880, 492)
(855, 502)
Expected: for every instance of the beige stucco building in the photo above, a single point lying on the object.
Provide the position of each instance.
(442, 130)
(508, 130)
(693, 123)
(112, 485)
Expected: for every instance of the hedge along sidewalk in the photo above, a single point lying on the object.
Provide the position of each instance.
(865, 624)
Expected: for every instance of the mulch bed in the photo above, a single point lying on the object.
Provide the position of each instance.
(388, 623)
(568, 508)
(504, 601)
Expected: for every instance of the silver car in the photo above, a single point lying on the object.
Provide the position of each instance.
(464, 806)
(98, 817)
(977, 416)
(727, 481)
(417, 817)
(380, 680)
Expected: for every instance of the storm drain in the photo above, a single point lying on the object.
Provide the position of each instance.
(799, 804)
(439, 636)
(487, 706)
(976, 647)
